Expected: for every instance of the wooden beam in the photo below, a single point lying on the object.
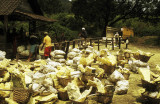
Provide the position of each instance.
(112, 44)
(67, 49)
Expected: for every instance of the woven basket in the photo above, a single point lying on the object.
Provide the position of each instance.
(104, 99)
(87, 76)
(149, 86)
(21, 95)
(144, 58)
(64, 81)
(108, 69)
(63, 95)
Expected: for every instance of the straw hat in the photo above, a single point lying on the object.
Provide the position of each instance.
(46, 33)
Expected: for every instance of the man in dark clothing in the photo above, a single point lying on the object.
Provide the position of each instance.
(83, 34)
(34, 41)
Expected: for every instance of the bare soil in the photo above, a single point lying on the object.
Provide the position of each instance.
(133, 95)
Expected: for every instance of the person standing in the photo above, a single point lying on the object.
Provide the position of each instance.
(84, 35)
(34, 41)
(47, 44)
(116, 37)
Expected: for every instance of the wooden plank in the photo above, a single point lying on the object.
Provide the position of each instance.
(119, 42)
(112, 44)
(106, 42)
(67, 49)
(90, 42)
(74, 43)
(98, 45)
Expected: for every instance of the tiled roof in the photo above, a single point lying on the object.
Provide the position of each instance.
(31, 16)
(8, 6)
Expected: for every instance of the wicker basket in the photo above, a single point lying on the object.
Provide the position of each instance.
(144, 58)
(86, 76)
(63, 95)
(21, 95)
(149, 86)
(104, 99)
(64, 81)
(108, 69)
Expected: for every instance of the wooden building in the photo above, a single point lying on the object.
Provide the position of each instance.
(20, 10)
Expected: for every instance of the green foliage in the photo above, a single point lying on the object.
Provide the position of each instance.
(133, 39)
(140, 28)
(57, 29)
(150, 41)
(55, 6)
(68, 20)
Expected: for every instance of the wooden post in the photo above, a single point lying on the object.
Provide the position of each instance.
(90, 42)
(112, 44)
(98, 45)
(119, 42)
(63, 46)
(106, 42)
(126, 46)
(127, 41)
(67, 49)
(74, 43)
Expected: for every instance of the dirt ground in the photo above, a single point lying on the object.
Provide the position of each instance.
(133, 95)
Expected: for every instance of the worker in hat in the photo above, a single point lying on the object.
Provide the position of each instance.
(83, 35)
(47, 44)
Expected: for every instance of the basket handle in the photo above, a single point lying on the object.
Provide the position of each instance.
(6, 89)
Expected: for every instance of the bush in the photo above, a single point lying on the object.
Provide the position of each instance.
(133, 39)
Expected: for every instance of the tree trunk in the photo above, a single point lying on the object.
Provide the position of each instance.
(104, 28)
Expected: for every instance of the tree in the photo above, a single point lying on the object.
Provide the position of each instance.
(55, 6)
(50, 6)
(102, 13)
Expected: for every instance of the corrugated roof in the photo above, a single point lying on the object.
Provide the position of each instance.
(31, 16)
(8, 6)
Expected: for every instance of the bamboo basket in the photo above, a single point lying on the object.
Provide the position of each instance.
(87, 76)
(144, 58)
(63, 95)
(20, 95)
(108, 69)
(149, 86)
(64, 81)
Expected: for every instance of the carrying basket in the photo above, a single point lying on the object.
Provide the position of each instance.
(20, 95)
(108, 69)
(64, 81)
(148, 85)
(144, 58)
(87, 76)
(63, 95)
